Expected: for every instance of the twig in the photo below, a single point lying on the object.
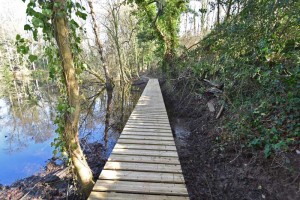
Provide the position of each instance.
(29, 191)
(220, 111)
(293, 180)
(235, 157)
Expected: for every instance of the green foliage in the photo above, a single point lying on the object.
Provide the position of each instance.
(22, 45)
(159, 21)
(256, 54)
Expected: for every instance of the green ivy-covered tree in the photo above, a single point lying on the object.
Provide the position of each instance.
(161, 20)
(55, 19)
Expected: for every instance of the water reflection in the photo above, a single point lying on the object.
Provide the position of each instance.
(105, 115)
(27, 112)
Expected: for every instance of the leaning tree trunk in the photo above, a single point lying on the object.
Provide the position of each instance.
(82, 170)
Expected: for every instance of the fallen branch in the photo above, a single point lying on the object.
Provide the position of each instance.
(217, 85)
(220, 112)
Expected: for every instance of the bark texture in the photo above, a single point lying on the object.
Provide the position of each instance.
(108, 80)
(82, 170)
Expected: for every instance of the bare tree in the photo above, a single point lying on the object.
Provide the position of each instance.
(108, 79)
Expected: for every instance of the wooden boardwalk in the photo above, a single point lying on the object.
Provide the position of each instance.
(144, 163)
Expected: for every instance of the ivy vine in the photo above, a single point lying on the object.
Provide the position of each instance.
(40, 24)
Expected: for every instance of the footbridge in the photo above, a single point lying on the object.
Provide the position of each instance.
(144, 163)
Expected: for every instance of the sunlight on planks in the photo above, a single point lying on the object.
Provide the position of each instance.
(144, 163)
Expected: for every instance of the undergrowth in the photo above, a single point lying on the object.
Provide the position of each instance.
(256, 55)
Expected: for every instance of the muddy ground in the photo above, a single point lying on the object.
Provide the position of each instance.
(214, 170)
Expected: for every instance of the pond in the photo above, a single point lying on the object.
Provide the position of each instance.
(27, 112)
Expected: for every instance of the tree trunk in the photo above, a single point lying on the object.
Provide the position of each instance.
(82, 170)
(108, 80)
(218, 12)
(228, 9)
(203, 7)
(194, 22)
(107, 116)
(186, 24)
(115, 14)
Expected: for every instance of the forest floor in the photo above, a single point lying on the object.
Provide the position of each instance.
(214, 170)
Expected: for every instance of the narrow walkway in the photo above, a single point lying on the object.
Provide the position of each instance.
(144, 163)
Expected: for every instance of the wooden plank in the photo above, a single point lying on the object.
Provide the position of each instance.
(146, 142)
(151, 110)
(141, 187)
(146, 137)
(141, 146)
(148, 121)
(149, 117)
(158, 177)
(147, 130)
(147, 133)
(159, 104)
(149, 113)
(145, 152)
(143, 159)
(143, 109)
(135, 122)
(143, 167)
(150, 126)
(159, 109)
(145, 112)
(126, 196)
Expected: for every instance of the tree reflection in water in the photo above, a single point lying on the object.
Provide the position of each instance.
(27, 112)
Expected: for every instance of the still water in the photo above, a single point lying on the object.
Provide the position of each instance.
(27, 112)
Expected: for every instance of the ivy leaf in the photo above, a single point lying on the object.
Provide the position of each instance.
(47, 12)
(55, 152)
(18, 37)
(78, 5)
(32, 58)
(81, 15)
(34, 33)
(38, 23)
(74, 24)
(267, 150)
(84, 66)
(56, 5)
(77, 39)
(27, 27)
(52, 72)
(23, 49)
